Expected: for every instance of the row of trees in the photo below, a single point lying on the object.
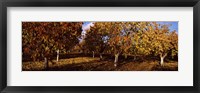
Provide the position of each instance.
(44, 39)
(132, 38)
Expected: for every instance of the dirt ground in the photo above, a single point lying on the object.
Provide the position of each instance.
(94, 64)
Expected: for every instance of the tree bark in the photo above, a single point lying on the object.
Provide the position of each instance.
(46, 63)
(116, 59)
(162, 59)
(57, 55)
(93, 54)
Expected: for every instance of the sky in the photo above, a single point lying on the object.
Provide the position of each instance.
(86, 25)
(174, 25)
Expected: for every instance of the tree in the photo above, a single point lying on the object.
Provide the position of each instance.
(105, 34)
(132, 33)
(67, 35)
(174, 42)
(161, 41)
(42, 39)
(115, 40)
(121, 37)
(140, 42)
(96, 38)
(115, 35)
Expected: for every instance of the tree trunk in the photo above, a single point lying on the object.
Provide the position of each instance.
(34, 59)
(162, 59)
(116, 59)
(101, 57)
(93, 54)
(73, 61)
(57, 55)
(134, 58)
(46, 63)
(125, 56)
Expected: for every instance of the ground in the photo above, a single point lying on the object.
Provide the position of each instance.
(94, 64)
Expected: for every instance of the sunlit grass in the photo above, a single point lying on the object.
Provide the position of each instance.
(40, 65)
(94, 64)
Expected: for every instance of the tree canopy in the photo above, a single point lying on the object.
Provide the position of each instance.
(44, 39)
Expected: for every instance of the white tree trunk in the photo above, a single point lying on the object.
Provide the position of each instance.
(116, 59)
(162, 59)
(93, 54)
(101, 57)
(46, 63)
(57, 55)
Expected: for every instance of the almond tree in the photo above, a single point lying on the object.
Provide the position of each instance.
(174, 42)
(132, 32)
(96, 38)
(42, 39)
(140, 45)
(140, 42)
(105, 34)
(161, 41)
(66, 35)
(115, 40)
(121, 39)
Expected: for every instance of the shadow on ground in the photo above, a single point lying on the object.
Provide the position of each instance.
(97, 65)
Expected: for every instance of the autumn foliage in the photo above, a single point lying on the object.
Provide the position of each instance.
(132, 38)
(45, 41)
(42, 39)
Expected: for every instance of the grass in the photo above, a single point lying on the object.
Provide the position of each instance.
(94, 64)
